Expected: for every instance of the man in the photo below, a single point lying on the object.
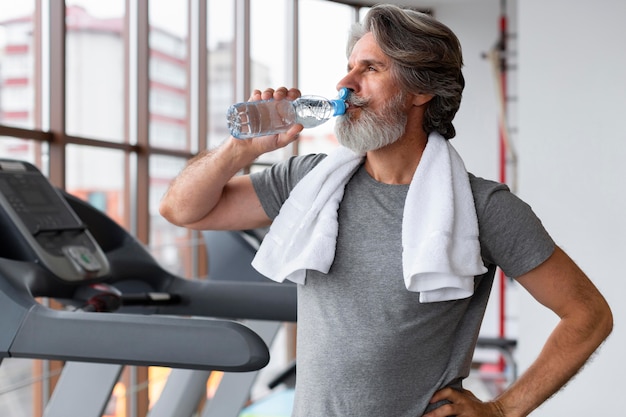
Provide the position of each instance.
(374, 340)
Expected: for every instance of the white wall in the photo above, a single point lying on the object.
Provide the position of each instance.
(476, 25)
(572, 83)
(571, 87)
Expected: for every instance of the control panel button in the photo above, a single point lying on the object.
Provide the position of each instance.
(83, 258)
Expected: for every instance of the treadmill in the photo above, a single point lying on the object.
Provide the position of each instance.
(122, 308)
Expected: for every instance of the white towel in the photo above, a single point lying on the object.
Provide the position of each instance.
(441, 251)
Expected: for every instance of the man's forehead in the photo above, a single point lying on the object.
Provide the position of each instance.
(366, 51)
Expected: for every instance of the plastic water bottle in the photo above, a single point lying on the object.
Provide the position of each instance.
(269, 117)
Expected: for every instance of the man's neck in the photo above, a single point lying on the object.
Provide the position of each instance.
(396, 163)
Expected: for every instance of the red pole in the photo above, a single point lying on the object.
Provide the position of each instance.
(503, 152)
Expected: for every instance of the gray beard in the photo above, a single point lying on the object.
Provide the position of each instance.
(371, 130)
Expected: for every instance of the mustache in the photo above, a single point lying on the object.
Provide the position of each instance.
(357, 101)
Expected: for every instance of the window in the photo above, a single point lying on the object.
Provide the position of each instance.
(17, 73)
(23, 150)
(168, 72)
(221, 67)
(94, 79)
(96, 174)
(268, 43)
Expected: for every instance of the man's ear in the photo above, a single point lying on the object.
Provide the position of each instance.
(420, 99)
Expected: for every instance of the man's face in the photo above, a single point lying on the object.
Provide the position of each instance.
(377, 109)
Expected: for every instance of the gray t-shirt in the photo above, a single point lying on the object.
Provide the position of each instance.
(366, 346)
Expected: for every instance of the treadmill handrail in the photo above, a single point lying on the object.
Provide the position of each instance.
(139, 340)
(35, 331)
(253, 300)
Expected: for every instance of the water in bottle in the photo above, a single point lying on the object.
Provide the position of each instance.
(269, 117)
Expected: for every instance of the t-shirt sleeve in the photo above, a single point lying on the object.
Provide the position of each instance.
(511, 235)
(274, 184)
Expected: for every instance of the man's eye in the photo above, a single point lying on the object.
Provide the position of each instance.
(371, 68)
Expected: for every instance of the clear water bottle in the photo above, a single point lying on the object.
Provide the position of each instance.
(269, 117)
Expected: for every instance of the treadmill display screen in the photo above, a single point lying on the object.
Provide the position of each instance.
(39, 207)
(33, 198)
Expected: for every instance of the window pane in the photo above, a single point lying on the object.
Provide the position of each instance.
(168, 74)
(25, 150)
(268, 43)
(221, 56)
(268, 54)
(98, 176)
(17, 75)
(322, 79)
(94, 81)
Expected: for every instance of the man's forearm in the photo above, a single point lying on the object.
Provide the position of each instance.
(569, 346)
(586, 321)
(198, 188)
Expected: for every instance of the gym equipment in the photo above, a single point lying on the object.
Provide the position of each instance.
(57, 246)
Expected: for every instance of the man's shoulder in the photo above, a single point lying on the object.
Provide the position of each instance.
(301, 165)
(480, 184)
(308, 160)
(483, 189)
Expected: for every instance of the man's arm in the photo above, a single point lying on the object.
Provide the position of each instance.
(585, 322)
(208, 194)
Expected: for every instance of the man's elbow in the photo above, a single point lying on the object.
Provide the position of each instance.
(169, 213)
(599, 320)
(606, 321)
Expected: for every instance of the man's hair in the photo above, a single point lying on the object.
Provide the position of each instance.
(426, 58)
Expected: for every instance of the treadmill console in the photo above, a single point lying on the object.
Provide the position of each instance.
(46, 224)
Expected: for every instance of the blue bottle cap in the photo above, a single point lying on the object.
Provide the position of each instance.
(339, 107)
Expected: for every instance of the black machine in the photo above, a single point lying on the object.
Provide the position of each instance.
(48, 230)
(57, 246)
